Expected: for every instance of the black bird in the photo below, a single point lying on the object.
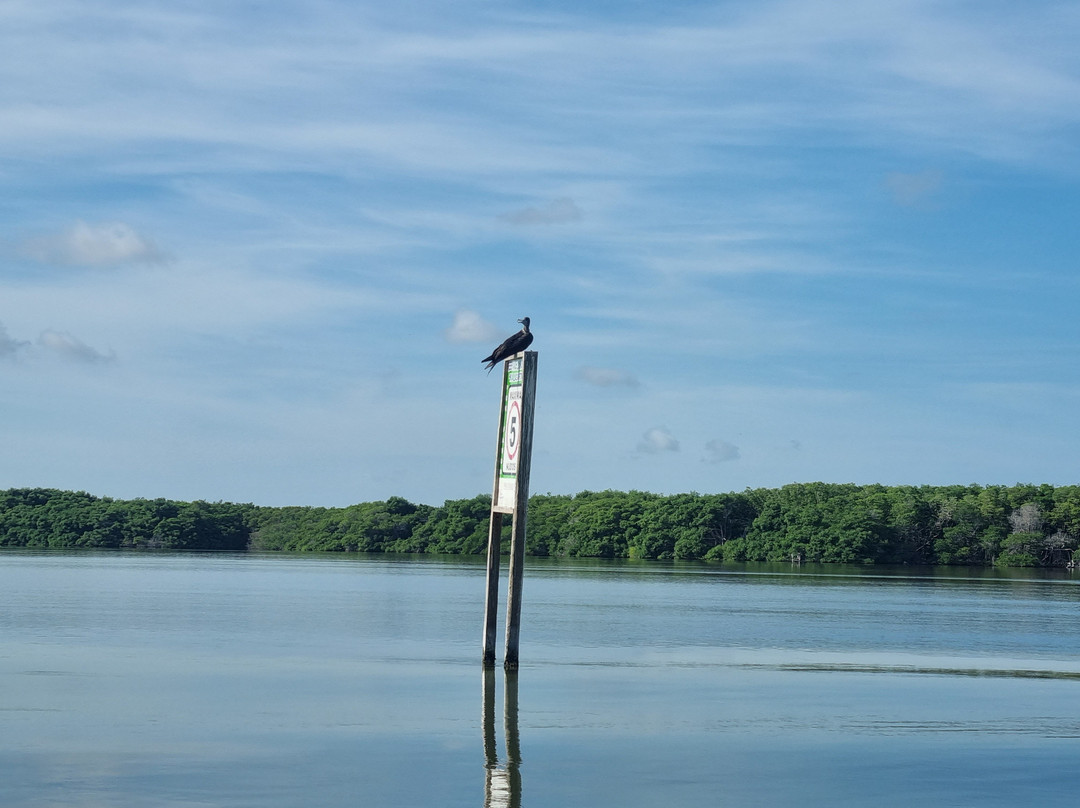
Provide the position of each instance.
(513, 344)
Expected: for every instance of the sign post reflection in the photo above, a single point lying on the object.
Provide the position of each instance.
(502, 781)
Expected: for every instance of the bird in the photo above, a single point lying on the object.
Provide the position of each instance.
(513, 344)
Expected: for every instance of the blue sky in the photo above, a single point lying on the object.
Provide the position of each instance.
(255, 252)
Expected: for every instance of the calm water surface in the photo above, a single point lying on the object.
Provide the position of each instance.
(176, 680)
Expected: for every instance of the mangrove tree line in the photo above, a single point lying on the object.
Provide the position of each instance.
(1019, 525)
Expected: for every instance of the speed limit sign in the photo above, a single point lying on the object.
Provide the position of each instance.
(512, 432)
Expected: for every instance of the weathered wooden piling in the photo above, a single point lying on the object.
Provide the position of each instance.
(491, 600)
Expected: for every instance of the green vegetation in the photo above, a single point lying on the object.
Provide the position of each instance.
(37, 517)
(1020, 525)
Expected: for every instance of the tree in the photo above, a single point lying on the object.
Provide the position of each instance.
(1020, 550)
(1027, 518)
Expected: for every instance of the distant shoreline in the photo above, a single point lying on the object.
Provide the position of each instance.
(1008, 526)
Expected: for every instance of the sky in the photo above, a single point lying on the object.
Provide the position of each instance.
(255, 252)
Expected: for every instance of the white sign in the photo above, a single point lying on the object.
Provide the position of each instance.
(510, 439)
(512, 432)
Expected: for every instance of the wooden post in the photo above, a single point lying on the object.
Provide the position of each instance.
(521, 512)
(491, 601)
(513, 462)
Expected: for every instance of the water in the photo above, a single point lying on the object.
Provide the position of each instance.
(194, 680)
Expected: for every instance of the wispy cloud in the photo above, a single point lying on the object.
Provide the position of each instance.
(721, 451)
(9, 346)
(72, 348)
(658, 440)
(914, 188)
(557, 211)
(83, 244)
(606, 377)
(469, 326)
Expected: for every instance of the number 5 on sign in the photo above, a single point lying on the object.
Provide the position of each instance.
(512, 433)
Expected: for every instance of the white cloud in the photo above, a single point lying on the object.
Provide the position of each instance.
(70, 347)
(557, 211)
(657, 440)
(468, 326)
(103, 244)
(720, 451)
(606, 377)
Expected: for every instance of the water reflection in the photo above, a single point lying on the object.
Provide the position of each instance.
(502, 781)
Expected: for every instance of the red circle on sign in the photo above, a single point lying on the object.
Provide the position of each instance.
(513, 429)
